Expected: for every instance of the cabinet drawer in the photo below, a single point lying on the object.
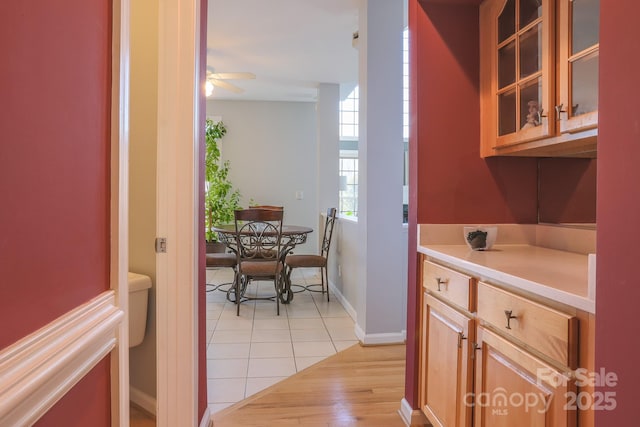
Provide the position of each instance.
(551, 332)
(449, 285)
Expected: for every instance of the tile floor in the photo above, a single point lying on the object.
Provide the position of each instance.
(249, 353)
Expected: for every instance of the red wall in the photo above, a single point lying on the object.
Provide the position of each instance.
(567, 190)
(54, 174)
(618, 250)
(449, 182)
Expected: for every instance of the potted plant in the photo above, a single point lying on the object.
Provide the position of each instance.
(220, 199)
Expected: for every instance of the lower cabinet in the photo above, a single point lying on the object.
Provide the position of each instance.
(446, 396)
(508, 363)
(514, 388)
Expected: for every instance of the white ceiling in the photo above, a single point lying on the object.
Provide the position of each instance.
(290, 45)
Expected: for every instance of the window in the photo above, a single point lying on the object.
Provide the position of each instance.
(349, 110)
(348, 169)
(405, 124)
(405, 85)
(349, 183)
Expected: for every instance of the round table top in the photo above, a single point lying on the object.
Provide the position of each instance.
(286, 229)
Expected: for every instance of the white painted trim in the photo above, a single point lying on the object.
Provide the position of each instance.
(42, 367)
(119, 245)
(411, 417)
(143, 400)
(177, 207)
(206, 419)
(384, 338)
(345, 303)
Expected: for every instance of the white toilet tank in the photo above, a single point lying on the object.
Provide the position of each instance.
(139, 285)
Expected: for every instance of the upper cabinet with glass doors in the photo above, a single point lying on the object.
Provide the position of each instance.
(539, 77)
(577, 104)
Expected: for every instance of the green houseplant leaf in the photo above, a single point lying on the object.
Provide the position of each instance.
(221, 199)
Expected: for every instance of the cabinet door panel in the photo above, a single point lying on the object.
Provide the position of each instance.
(577, 104)
(446, 395)
(514, 388)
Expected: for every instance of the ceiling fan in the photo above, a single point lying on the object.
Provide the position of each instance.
(220, 80)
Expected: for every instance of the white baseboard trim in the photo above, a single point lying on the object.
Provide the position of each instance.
(345, 303)
(384, 338)
(411, 417)
(206, 418)
(143, 400)
(42, 367)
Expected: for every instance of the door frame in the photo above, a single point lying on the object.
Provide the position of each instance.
(177, 202)
(178, 194)
(119, 222)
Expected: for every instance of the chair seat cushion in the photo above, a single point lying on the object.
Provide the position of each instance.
(221, 260)
(305, 261)
(260, 268)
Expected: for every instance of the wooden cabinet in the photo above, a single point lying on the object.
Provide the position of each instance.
(550, 332)
(514, 388)
(451, 286)
(446, 394)
(537, 58)
(492, 357)
(578, 54)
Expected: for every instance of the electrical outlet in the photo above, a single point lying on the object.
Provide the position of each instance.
(339, 270)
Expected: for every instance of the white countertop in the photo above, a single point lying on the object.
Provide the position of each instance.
(559, 275)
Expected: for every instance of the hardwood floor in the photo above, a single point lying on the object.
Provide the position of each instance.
(140, 418)
(360, 386)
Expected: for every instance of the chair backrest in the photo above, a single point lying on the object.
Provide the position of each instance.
(258, 233)
(328, 231)
(277, 208)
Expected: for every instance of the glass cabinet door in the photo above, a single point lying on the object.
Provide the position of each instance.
(523, 97)
(577, 107)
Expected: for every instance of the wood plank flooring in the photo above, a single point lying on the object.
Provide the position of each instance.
(140, 418)
(360, 386)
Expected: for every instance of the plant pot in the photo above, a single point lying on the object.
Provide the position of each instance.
(216, 247)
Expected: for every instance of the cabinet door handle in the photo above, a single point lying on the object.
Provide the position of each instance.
(460, 338)
(559, 110)
(540, 115)
(476, 347)
(509, 315)
(440, 281)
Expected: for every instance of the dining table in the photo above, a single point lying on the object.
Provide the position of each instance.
(292, 235)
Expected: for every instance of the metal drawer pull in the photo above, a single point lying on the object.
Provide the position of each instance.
(508, 314)
(441, 281)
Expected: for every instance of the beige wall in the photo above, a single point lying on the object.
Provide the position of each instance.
(142, 180)
(272, 149)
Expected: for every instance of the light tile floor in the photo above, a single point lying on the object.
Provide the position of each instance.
(249, 353)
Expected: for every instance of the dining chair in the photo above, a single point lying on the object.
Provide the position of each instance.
(280, 208)
(315, 260)
(258, 239)
(222, 260)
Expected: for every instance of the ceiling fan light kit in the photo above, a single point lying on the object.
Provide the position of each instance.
(220, 80)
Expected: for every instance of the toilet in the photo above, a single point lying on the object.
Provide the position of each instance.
(139, 285)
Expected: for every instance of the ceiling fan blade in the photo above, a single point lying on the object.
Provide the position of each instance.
(233, 76)
(226, 85)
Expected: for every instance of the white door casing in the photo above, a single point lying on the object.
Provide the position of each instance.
(177, 203)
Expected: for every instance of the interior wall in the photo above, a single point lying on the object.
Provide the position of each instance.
(272, 150)
(567, 190)
(142, 180)
(54, 163)
(617, 291)
(449, 182)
